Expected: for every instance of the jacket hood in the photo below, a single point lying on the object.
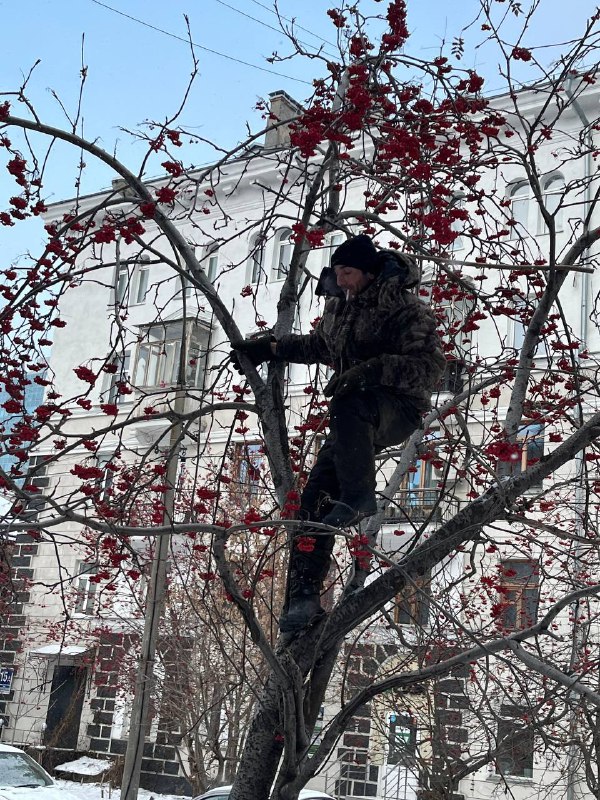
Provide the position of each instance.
(401, 265)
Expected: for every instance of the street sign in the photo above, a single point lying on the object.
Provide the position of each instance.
(6, 676)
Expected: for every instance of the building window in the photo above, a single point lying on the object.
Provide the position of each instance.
(122, 285)
(160, 353)
(213, 263)
(531, 439)
(209, 258)
(519, 207)
(402, 739)
(283, 254)
(248, 462)
(140, 284)
(412, 605)
(85, 597)
(118, 387)
(515, 744)
(520, 318)
(256, 259)
(553, 189)
(334, 240)
(317, 732)
(452, 316)
(518, 325)
(519, 594)
(458, 222)
(131, 285)
(417, 498)
(452, 379)
(36, 481)
(106, 481)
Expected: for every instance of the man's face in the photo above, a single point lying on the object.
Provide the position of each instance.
(352, 280)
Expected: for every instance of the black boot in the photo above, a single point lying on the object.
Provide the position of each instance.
(348, 510)
(307, 573)
(304, 607)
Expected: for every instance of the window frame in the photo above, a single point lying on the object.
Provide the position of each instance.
(519, 595)
(520, 213)
(213, 263)
(417, 495)
(166, 373)
(413, 604)
(122, 375)
(282, 254)
(86, 590)
(141, 283)
(132, 282)
(36, 502)
(514, 760)
(256, 258)
(122, 282)
(317, 734)
(406, 753)
(334, 240)
(450, 317)
(210, 261)
(452, 381)
(518, 328)
(457, 225)
(532, 440)
(548, 201)
(106, 481)
(248, 457)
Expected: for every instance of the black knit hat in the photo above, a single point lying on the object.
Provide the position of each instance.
(358, 252)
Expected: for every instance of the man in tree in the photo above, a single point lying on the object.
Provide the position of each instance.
(382, 343)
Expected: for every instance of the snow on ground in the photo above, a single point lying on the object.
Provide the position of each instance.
(98, 791)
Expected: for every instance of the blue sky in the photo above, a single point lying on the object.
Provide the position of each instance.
(138, 69)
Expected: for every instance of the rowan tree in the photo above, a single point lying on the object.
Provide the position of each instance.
(414, 152)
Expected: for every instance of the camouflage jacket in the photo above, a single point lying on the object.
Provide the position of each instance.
(384, 323)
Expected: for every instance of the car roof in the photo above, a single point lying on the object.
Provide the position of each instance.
(7, 748)
(305, 794)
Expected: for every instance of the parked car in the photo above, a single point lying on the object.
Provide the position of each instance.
(19, 772)
(222, 793)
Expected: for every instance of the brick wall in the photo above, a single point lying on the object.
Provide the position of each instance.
(359, 778)
(160, 765)
(16, 573)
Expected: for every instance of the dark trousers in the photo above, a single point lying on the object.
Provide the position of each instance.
(361, 424)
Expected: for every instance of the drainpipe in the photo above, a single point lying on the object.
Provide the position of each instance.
(587, 197)
(580, 491)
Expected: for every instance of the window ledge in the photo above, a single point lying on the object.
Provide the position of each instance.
(518, 779)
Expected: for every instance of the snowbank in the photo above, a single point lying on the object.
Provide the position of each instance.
(97, 791)
(85, 766)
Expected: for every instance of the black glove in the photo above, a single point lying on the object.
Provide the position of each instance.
(257, 350)
(357, 378)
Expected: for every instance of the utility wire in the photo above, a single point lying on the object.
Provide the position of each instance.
(293, 22)
(199, 46)
(272, 28)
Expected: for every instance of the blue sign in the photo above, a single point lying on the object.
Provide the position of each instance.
(6, 676)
